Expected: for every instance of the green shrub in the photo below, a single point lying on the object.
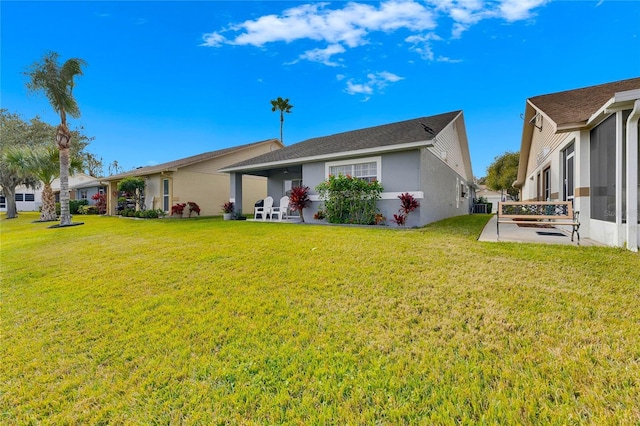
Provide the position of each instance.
(74, 205)
(350, 200)
(150, 214)
(88, 210)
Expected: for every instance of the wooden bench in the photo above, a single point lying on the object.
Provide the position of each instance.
(539, 212)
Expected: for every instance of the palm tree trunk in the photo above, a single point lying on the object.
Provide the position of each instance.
(281, 124)
(48, 212)
(65, 216)
(63, 139)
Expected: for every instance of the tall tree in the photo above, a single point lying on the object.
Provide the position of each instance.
(16, 133)
(503, 172)
(283, 106)
(43, 164)
(57, 83)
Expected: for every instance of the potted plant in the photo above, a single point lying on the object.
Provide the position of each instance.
(227, 210)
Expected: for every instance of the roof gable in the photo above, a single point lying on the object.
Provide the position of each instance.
(577, 106)
(187, 161)
(370, 138)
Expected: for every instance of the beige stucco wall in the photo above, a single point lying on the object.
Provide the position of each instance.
(203, 184)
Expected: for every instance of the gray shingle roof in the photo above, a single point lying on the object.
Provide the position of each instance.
(370, 138)
(142, 171)
(576, 106)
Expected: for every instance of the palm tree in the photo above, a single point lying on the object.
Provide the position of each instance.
(57, 84)
(42, 164)
(283, 106)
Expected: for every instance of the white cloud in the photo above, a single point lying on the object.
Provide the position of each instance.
(352, 25)
(421, 44)
(375, 82)
(447, 59)
(515, 10)
(213, 40)
(323, 55)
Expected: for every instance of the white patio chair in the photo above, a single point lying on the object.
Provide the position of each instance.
(281, 210)
(264, 210)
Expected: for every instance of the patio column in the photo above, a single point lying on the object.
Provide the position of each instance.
(235, 193)
(620, 137)
(632, 177)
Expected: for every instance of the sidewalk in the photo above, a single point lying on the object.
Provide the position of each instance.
(517, 234)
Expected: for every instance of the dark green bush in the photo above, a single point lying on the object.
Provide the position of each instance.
(74, 205)
(349, 199)
(150, 214)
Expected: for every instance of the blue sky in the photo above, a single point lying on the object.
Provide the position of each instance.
(166, 80)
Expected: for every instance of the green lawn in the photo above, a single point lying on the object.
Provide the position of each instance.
(202, 321)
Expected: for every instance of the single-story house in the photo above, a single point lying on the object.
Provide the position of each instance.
(27, 199)
(427, 157)
(81, 187)
(493, 197)
(195, 179)
(582, 145)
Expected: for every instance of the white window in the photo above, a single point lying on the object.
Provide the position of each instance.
(165, 195)
(84, 194)
(368, 169)
(29, 197)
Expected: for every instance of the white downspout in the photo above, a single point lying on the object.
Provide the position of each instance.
(632, 177)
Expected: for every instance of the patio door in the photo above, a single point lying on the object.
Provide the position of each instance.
(569, 172)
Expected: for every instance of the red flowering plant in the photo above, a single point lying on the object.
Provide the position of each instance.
(178, 209)
(299, 199)
(408, 203)
(101, 202)
(193, 208)
(228, 207)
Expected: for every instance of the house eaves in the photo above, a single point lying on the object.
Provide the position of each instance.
(403, 135)
(174, 166)
(333, 156)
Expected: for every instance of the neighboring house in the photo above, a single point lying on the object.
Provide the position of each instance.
(582, 145)
(27, 199)
(195, 179)
(81, 186)
(493, 197)
(428, 157)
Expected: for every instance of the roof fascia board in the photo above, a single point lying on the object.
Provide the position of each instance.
(336, 155)
(543, 114)
(525, 144)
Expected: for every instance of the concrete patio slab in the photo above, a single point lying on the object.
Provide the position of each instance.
(541, 235)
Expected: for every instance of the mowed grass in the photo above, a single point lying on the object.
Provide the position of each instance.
(203, 321)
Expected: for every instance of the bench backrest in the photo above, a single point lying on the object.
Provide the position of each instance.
(535, 209)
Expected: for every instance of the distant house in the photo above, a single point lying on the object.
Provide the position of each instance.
(582, 145)
(27, 199)
(195, 179)
(493, 197)
(81, 187)
(427, 156)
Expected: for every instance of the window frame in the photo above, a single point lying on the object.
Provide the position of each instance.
(353, 162)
